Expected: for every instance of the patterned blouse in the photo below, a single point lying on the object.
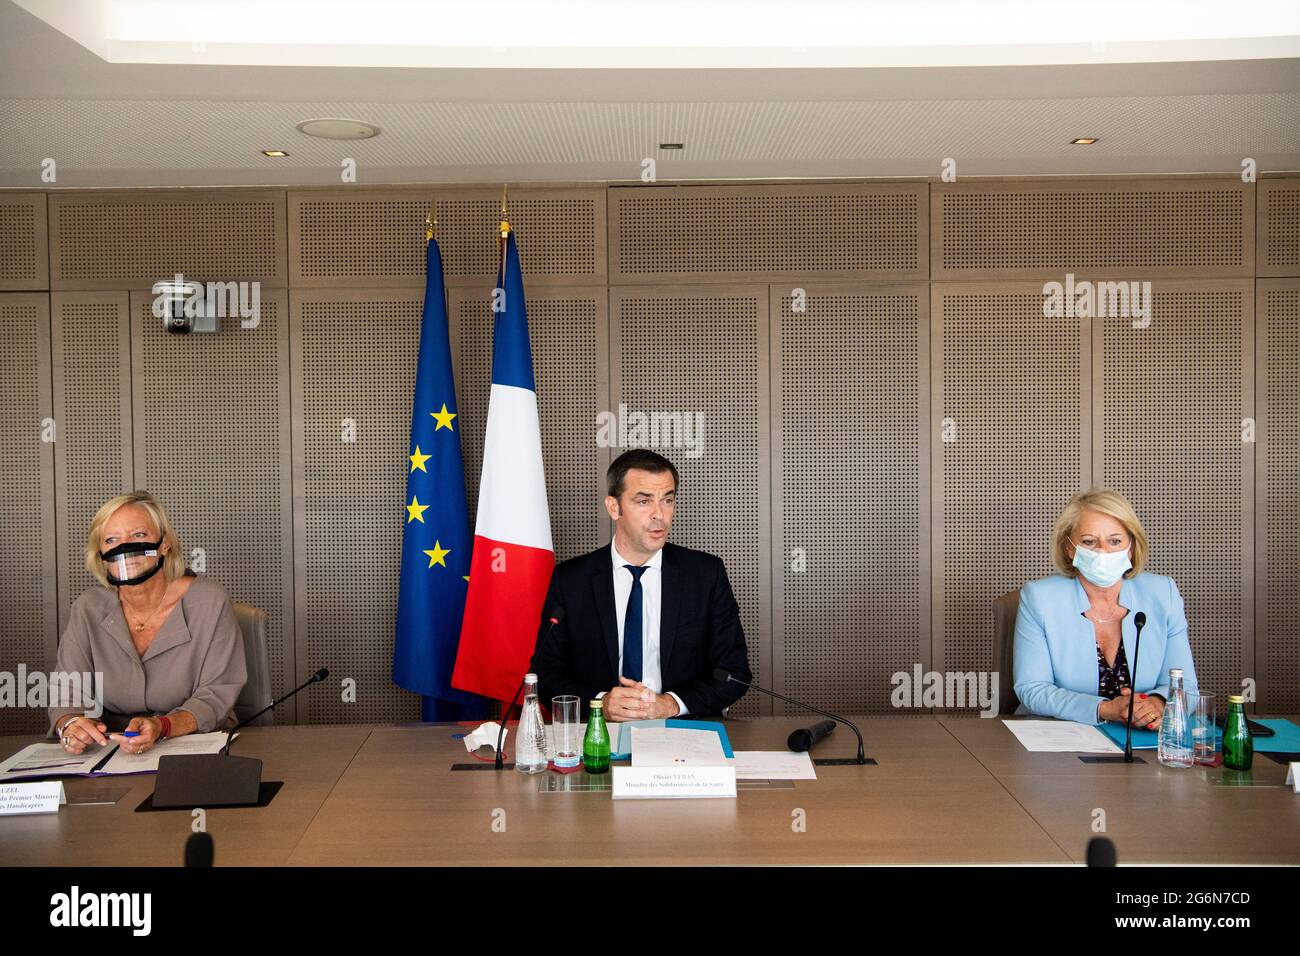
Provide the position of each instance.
(1110, 679)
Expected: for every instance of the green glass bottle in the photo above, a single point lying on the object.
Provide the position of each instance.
(1238, 751)
(595, 746)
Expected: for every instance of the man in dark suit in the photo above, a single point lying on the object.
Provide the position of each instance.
(643, 623)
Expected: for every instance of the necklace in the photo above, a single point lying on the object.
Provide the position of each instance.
(1099, 620)
(140, 627)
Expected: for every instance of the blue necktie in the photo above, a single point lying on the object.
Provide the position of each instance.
(632, 627)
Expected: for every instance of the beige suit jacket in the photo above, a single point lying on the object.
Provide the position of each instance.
(195, 663)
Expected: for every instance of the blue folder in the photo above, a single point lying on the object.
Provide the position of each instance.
(621, 746)
(1285, 739)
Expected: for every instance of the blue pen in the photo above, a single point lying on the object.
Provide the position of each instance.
(130, 733)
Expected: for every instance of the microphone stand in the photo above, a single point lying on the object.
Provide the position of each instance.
(501, 733)
(725, 676)
(1139, 621)
(505, 717)
(315, 678)
(219, 779)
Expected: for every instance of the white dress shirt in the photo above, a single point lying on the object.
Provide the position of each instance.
(651, 601)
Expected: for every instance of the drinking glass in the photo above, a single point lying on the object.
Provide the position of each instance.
(1204, 728)
(565, 738)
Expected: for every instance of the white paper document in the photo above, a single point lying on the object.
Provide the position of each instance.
(620, 733)
(673, 747)
(51, 760)
(774, 765)
(147, 762)
(1061, 736)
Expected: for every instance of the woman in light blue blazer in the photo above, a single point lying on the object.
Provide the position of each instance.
(1075, 634)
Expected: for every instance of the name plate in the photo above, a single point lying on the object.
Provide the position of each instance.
(1293, 776)
(631, 783)
(43, 796)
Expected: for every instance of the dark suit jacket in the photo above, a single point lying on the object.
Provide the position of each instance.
(699, 631)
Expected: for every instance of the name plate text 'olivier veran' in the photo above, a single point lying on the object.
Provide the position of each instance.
(673, 782)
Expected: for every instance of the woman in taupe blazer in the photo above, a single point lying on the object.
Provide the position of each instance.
(166, 641)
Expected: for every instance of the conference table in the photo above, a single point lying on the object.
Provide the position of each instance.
(949, 789)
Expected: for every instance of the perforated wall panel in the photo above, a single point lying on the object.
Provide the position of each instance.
(212, 444)
(1278, 536)
(1029, 230)
(765, 233)
(570, 341)
(1172, 405)
(1009, 436)
(351, 537)
(132, 240)
(24, 249)
(341, 238)
(1279, 227)
(240, 434)
(27, 628)
(851, 555)
(704, 349)
(92, 402)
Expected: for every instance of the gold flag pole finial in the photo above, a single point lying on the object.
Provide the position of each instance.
(431, 221)
(505, 224)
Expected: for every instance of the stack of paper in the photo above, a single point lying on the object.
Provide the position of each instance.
(774, 765)
(675, 747)
(49, 760)
(41, 761)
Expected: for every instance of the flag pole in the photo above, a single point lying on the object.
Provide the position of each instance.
(431, 222)
(505, 235)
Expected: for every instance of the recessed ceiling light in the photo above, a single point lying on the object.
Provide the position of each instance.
(335, 128)
(672, 145)
(274, 152)
(1084, 141)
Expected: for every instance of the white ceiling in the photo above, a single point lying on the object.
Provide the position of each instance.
(143, 124)
(679, 34)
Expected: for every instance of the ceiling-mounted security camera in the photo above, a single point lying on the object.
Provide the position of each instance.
(184, 306)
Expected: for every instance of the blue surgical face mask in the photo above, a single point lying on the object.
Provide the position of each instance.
(1102, 568)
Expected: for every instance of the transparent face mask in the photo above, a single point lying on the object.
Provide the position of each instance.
(132, 562)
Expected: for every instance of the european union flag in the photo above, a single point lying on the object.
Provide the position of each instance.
(436, 542)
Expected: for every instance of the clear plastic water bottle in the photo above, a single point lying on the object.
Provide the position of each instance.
(530, 747)
(1175, 748)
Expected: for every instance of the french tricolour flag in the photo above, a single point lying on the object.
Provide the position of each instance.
(513, 556)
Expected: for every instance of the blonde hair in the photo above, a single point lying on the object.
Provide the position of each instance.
(173, 561)
(1106, 502)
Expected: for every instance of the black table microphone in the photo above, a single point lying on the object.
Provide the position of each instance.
(1139, 621)
(726, 676)
(199, 849)
(1101, 852)
(804, 738)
